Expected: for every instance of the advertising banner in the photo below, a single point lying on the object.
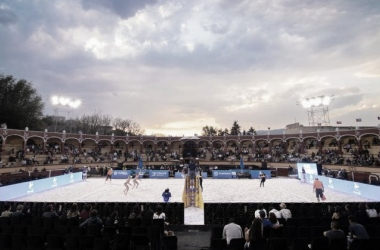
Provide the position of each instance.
(22, 189)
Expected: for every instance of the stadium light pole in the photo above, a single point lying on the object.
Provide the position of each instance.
(317, 109)
(59, 101)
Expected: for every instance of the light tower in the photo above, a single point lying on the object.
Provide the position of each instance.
(59, 101)
(317, 109)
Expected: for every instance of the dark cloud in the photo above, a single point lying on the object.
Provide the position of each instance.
(7, 17)
(123, 8)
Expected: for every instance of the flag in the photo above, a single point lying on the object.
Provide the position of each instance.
(339, 122)
(140, 165)
(241, 164)
(358, 119)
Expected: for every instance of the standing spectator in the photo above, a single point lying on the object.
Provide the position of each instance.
(318, 188)
(232, 231)
(7, 211)
(166, 195)
(285, 213)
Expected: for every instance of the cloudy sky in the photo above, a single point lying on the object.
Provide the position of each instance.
(175, 66)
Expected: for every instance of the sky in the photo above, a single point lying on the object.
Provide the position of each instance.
(175, 66)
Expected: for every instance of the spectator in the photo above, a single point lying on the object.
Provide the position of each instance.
(19, 211)
(112, 219)
(254, 236)
(260, 207)
(232, 231)
(49, 213)
(159, 214)
(7, 211)
(147, 213)
(73, 213)
(335, 232)
(356, 230)
(136, 213)
(85, 213)
(371, 211)
(285, 213)
(93, 221)
(272, 222)
(275, 211)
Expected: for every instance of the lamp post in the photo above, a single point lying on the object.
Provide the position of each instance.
(59, 101)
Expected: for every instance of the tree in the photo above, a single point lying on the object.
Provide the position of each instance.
(251, 131)
(207, 131)
(20, 105)
(235, 130)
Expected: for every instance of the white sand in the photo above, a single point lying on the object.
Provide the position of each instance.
(276, 190)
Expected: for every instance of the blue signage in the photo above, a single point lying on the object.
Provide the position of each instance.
(221, 174)
(22, 189)
(121, 174)
(159, 174)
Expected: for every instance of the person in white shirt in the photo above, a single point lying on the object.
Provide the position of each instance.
(285, 213)
(275, 211)
(232, 231)
(371, 211)
(260, 207)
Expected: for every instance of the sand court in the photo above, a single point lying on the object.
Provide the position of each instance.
(276, 190)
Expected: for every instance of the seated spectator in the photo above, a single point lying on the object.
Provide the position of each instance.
(371, 211)
(260, 207)
(232, 231)
(361, 215)
(335, 232)
(355, 231)
(275, 211)
(112, 219)
(136, 213)
(285, 213)
(272, 222)
(159, 214)
(147, 213)
(85, 213)
(7, 211)
(49, 213)
(19, 212)
(93, 221)
(73, 213)
(254, 236)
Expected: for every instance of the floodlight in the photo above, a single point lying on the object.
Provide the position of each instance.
(317, 109)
